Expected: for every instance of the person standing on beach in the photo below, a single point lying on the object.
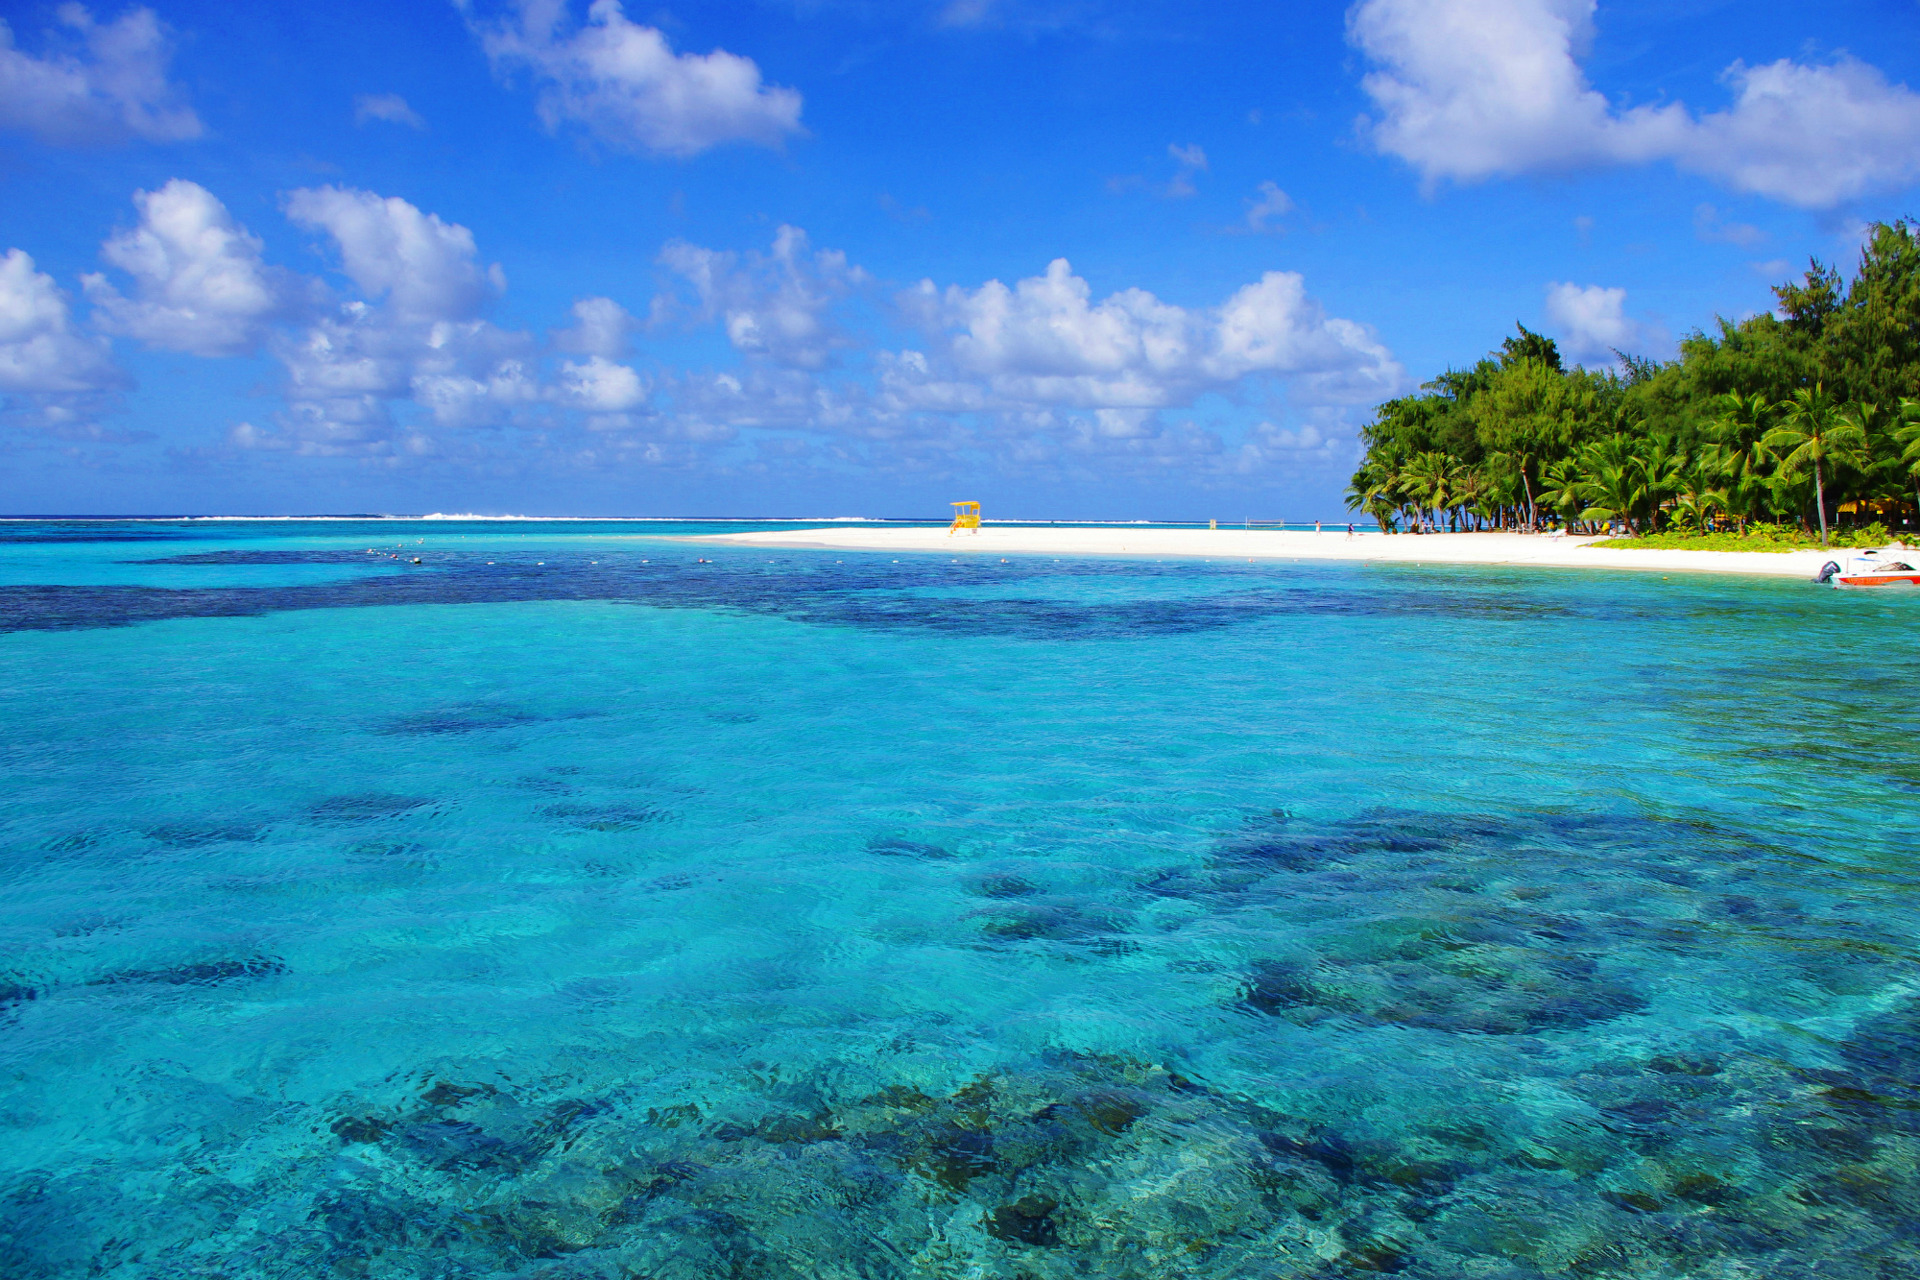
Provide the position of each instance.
(1316, 528)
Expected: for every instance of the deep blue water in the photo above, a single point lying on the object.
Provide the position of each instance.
(564, 907)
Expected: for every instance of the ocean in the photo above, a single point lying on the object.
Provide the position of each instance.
(581, 902)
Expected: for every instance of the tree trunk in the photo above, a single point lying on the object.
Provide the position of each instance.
(1528, 486)
(1820, 500)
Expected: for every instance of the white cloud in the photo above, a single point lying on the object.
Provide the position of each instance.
(1046, 342)
(1029, 17)
(601, 328)
(1711, 228)
(380, 375)
(1266, 446)
(965, 13)
(1039, 377)
(626, 85)
(1810, 136)
(601, 386)
(415, 336)
(390, 107)
(1591, 320)
(1191, 160)
(108, 84)
(1471, 89)
(774, 306)
(423, 267)
(1272, 203)
(475, 375)
(40, 354)
(200, 284)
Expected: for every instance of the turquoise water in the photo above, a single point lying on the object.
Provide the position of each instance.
(564, 907)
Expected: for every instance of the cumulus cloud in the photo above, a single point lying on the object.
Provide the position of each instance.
(627, 86)
(423, 267)
(386, 367)
(1038, 375)
(415, 335)
(400, 360)
(51, 377)
(40, 354)
(103, 82)
(347, 372)
(418, 338)
(1471, 89)
(773, 306)
(602, 386)
(199, 282)
(390, 107)
(601, 328)
(1591, 321)
(1046, 342)
(1189, 160)
(1272, 203)
(1812, 136)
(1710, 227)
(1267, 445)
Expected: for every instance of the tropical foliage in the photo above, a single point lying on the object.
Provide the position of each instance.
(1807, 416)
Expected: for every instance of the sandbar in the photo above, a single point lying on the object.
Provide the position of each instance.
(1537, 550)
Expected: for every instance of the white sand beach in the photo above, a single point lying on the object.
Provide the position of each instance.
(1271, 544)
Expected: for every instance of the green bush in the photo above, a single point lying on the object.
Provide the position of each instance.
(1759, 536)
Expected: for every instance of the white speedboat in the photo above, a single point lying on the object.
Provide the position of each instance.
(1889, 567)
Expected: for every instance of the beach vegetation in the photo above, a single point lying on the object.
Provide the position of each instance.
(1805, 418)
(1760, 536)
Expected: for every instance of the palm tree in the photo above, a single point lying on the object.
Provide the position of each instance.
(1473, 490)
(1660, 467)
(1744, 461)
(1376, 490)
(1611, 481)
(1611, 490)
(1560, 490)
(1699, 498)
(1432, 478)
(1815, 433)
(1875, 427)
(1505, 482)
(1907, 434)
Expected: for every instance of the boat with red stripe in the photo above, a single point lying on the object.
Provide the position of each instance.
(1891, 566)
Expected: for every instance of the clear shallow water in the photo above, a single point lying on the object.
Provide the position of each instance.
(789, 917)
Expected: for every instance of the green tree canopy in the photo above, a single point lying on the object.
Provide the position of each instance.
(1721, 432)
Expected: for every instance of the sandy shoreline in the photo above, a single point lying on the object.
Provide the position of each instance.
(1272, 544)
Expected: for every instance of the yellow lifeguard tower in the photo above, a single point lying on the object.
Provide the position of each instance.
(966, 515)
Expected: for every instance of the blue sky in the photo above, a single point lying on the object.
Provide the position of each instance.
(836, 257)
